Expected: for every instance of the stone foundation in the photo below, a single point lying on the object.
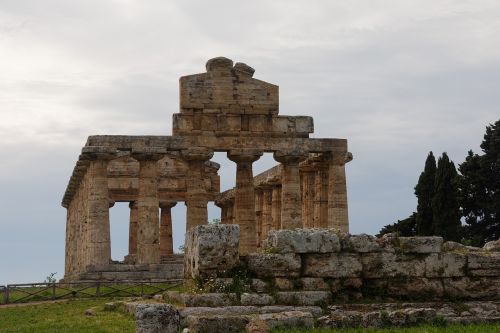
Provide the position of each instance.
(342, 267)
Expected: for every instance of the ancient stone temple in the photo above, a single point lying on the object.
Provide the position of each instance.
(222, 110)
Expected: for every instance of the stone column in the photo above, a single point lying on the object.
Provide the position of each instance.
(258, 214)
(148, 245)
(308, 182)
(321, 196)
(196, 192)
(166, 245)
(276, 207)
(230, 213)
(132, 231)
(337, 192)
(267, 219)
(98, 228)
(291, 205)
(244, 197)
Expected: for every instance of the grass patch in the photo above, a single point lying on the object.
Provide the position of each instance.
(472, 328)
(65, 317)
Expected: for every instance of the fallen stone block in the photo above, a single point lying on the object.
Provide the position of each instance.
(157, 318)
(211, 249)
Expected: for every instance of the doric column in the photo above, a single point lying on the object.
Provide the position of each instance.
(196, 192)
(337, 192)
(230, 213)
(321, 196)
(98, 229)
(244, 197)
(258, 214)
(148, 245)
(132, 230)
(308, 184)
(276, 206)
(291, 206)
(166, 245)
(267, 219)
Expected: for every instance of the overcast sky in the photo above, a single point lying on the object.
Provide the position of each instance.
(396, 78)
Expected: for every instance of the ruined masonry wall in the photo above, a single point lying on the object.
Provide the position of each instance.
(351, 266)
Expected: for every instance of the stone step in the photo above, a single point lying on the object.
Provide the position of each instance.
(120, 272)
(292, 298)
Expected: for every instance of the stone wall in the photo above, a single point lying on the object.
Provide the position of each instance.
(351, 267)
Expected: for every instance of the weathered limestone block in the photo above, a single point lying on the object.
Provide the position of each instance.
(256, 299)
(332, 265)
(484, 264)
(453, 246)
(359, 243)
(472, 288)
(492, 246)
(283, 283)
(446, 264)
(157, 318)
(304, 298)
(316, 311)
(217, 324)
(211, 249)
(421, 244)
(201, 300)
(310, 283)
(303, 241)
(415, 287)
(388, 265)
(289, 319)
(259, 285)
(274, 265)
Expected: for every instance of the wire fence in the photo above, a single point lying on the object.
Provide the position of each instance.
(32, 292)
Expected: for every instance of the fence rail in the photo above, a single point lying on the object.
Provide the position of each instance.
(30, 292)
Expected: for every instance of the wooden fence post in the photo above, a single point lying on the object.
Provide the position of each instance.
(98, 289)
(53, 291)
(6, 294)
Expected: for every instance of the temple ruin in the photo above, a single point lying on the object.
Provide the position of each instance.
(222, 110)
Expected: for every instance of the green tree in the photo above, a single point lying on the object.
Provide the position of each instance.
(405, 228)
(445, 205)
(480, 189)
(424, 190)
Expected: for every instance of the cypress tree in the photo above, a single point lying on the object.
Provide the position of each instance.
(424, 190)
(445, 206)
(480, 189)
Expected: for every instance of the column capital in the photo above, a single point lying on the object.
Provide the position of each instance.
(244, 155)
(197, 154)
(111, 203)
(340, 158)
(133, 204)
(167, 204)
(290, 156)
